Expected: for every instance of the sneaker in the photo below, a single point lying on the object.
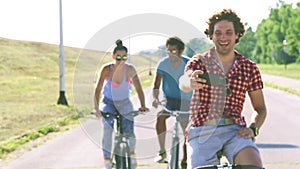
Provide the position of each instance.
(161, 157)
(133, 162)
(107, 164)
(183, 165)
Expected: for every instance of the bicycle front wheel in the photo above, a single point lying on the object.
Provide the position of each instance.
(174, 155)
(122, 158)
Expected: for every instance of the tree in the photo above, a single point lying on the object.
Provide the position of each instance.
(261, 36)
(197, 45)
(247, 44)
(293, 33)
(282, 25)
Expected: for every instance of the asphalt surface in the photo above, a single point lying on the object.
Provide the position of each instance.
(80, 148)
(282, 81)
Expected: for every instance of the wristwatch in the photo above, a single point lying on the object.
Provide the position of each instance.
(255, 130)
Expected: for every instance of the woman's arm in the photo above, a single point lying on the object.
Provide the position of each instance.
(98, 89)
(138, 87)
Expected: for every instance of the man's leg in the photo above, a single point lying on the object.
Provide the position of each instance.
(161, 133)
(183, 126)
(239, 150)
(248, 156)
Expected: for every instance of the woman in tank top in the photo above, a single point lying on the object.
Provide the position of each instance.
(115, 82)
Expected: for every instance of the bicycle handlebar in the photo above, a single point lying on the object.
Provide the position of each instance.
(177, 111)
(172, 112)
(106, 114)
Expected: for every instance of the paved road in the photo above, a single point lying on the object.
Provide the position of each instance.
(279, 141)
(282, 81)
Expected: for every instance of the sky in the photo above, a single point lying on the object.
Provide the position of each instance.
(38, 20)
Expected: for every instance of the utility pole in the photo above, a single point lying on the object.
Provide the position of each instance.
(62, 98)
(150, 65)
(285, 50)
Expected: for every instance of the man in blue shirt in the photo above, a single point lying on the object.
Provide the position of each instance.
(169, 70)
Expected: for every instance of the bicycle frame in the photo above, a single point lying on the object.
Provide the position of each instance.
(174, 153)
(121, 152)
(174, 160)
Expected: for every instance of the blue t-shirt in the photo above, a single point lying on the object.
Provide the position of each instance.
(170, 78)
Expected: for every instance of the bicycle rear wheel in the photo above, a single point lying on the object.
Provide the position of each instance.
(174, 155)
(122, 157)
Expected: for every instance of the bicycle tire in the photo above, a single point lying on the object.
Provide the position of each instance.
(122, 157)
(117, 156)
(118, 161)
(174, 154)
(127, 155)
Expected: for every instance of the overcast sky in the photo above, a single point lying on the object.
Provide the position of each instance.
(38, 20)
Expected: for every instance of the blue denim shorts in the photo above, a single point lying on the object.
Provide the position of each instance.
(123, 107)
(109, 106)
(205, 141)
(179, 104)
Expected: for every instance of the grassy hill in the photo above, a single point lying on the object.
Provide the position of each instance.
(29, 83)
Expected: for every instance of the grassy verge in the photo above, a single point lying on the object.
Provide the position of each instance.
(286, 89)
(292, 71)
(16, 143)
(29, 82)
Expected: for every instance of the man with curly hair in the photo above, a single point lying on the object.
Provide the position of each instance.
(220, 79)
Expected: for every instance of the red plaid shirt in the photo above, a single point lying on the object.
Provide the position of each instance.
(212, 102)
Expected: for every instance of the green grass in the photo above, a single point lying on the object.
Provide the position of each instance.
(13, 144)
(29, 82)
(292, 71)
(283, 88)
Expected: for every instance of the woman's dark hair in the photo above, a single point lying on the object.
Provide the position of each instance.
(175, 41)
(229, 15)
(119, 46)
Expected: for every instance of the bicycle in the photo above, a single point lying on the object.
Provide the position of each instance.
(174, 152)
(121, 152)
(228, 166)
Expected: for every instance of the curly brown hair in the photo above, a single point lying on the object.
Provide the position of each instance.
(229, 15)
